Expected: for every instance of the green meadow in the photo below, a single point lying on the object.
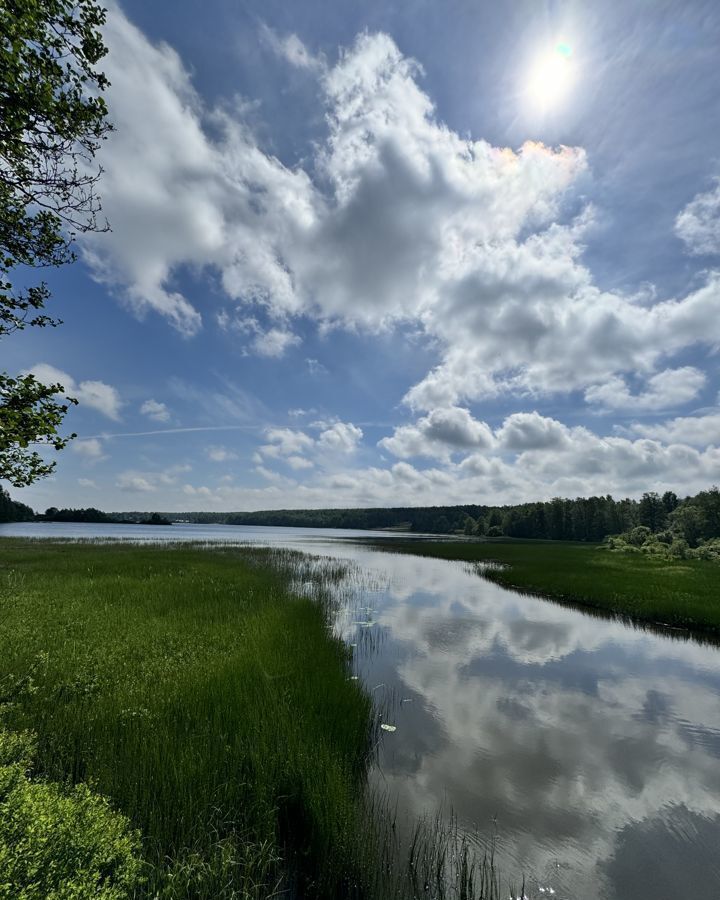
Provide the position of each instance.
(180, 722)
(677, 593)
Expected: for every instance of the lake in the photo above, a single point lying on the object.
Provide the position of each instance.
(587, 750)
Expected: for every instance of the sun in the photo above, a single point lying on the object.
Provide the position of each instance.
(551, 77)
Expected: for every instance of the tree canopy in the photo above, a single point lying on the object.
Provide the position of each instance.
(52, 121)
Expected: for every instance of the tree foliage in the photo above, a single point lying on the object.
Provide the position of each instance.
(52, 121)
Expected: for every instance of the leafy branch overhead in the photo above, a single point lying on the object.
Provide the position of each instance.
(52, 122)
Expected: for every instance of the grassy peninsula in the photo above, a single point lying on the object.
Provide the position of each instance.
(210, 706)
(681, 593)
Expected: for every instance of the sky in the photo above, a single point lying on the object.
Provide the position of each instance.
(394, 253)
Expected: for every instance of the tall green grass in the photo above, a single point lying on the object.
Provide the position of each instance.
(208, 704)
(203, 693)
(678, 593)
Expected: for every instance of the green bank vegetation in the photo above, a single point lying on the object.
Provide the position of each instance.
(682, 593)
(192, 722)
(209, 706)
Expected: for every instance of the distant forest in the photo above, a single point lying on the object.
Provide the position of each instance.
(584, 519)
(12, 511)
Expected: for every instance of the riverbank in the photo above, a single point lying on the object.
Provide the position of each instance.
(208, 704)
(674, 593)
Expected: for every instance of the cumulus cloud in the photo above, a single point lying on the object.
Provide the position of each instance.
(220, 454)
(299, 450)
(395, 218)
(666, 389)
(697, 431)
(341, 437)
(286, 442)
(530, 456)
(531, 431)
(135, 484)
(274, 342)
(95, 394)
(698, 225)
(156, 411)
(87, 483)
(270, 342)
(89, 448)
(442, 432)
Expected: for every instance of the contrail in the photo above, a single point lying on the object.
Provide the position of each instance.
(117, 434)
(120, 434)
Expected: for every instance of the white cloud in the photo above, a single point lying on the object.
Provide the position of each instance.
(299, 462)
(292, 50)
(531, 431)
(397, 218)
(341, 437)
(697, 431)
(286, 442)
(95, 394)
(220, 454)
(90, 448)
(442, 432)
(698, 225)
(155, 410)
(666, 389)
(271, 342)
(529, 456)
(299, 450)
(274, 342)
(315, 367)
(87, 483)
(133, 483)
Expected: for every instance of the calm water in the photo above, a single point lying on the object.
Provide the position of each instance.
(591, 750)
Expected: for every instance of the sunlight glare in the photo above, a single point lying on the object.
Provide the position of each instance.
(551, 77)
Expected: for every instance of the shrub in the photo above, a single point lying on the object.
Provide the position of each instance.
(638, 535)
(58, 844)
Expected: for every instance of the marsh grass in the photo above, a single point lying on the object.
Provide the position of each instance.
(675, 593)
(203, 692)
(192, 689)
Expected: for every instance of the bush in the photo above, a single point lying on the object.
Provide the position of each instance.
(58, 844)
(638, 535)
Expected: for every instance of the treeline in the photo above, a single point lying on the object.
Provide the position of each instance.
(12, 511)
(691, 529)
(96, 515)
(693, 519)
(436, 519)
(53, 514)
(582, 519)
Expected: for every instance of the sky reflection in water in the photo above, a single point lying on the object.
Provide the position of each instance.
(590, 748)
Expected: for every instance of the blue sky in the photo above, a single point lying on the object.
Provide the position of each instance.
(395, 253)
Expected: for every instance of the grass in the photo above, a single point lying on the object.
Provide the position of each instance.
(190, 688)
(676, 593)
(212, 706)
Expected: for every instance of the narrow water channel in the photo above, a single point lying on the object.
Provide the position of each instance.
(588, 751)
